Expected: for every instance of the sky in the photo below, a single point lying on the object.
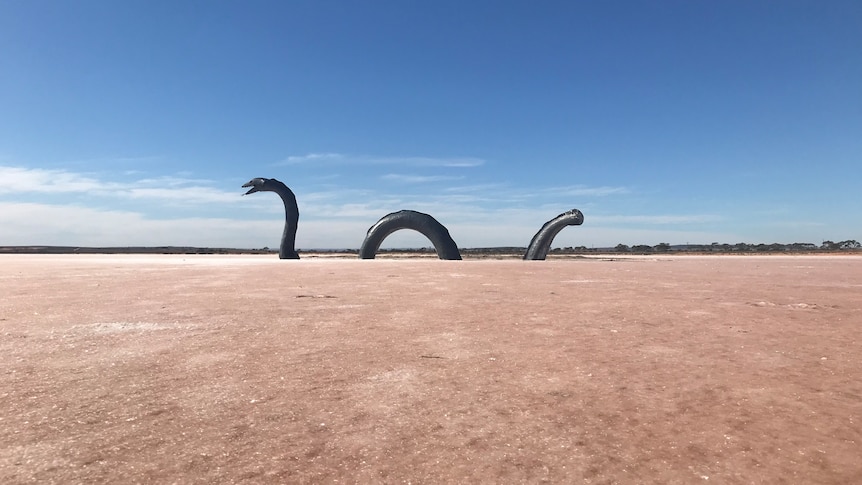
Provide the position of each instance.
(136, 122)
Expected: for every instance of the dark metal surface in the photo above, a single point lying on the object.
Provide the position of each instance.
(408, 219)
(541, 243)
(287, 249)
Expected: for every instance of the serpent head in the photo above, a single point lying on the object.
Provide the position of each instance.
(261, 184)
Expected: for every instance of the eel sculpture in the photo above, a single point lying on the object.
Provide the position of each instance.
(408, 219)
(291, 212)
(541, 243)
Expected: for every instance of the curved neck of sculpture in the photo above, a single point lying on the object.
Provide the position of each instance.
(541, 243)
(287, 249)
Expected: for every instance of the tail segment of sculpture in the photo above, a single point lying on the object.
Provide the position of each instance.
(291, 212)
(541, 242)
(407, 219)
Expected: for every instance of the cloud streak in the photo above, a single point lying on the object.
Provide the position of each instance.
(417, 179)
(659, 219)
(585, 191)
(339, 158)
(72, 225)
(311, 158)
(18, 180)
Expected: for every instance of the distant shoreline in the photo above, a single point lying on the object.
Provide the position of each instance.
(127, 250)
(471, 253)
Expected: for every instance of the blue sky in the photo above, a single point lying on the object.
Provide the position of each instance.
(136, 122)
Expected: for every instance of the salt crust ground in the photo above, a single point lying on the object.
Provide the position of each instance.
(226, 369)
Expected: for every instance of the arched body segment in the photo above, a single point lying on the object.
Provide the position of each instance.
(287, 248)
(541, 243)
(408, 219)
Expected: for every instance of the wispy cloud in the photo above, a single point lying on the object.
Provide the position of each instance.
(659, 219)
(311, 158)
(189, 195)
(178, 180)
(476, 188)
(72, 225)
(585, 191)
(796, 223)
(339, 158)
(433, 162)
(180, 189)
(417, 179)
(18, 179)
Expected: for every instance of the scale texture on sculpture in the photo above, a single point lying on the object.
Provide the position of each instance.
(541, 243)
(408, 219)
(291, 212)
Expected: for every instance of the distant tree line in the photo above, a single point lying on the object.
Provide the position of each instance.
(715, 247)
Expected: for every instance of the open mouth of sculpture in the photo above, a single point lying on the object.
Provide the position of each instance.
(255, 184)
